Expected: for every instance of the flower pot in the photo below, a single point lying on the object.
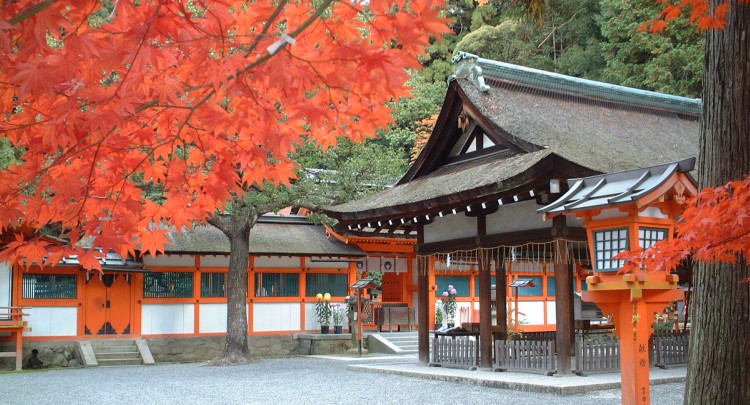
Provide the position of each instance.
(451, 325)
(324, 329)
(338, 329)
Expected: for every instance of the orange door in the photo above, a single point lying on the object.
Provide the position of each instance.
(108, 304)
(393, 287)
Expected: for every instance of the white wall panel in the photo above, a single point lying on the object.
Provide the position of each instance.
(215, 261)
(276, 262)
(213, 318)
(6, 284)
(450, 227)
(520, 216)
(311, 320)
(653, 212)
(551, 315)
(276, 316)
(327, 262)
(52, 321)
(167, 318)
(169, 261)
(532, 312)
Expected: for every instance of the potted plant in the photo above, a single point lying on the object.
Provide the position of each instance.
(323, 310)
(438, 314)
(449, 295)
(339, 313)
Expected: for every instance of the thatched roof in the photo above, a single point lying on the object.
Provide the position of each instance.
(290, 237)
(547, 121)
(602, 135)
(484, 176)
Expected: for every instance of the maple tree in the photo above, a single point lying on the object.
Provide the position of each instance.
(195, 99)
(129, 117)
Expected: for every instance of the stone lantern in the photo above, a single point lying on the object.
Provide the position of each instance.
(621, 212)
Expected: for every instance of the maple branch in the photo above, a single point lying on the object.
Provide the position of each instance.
(728, 240)
(267, 26)
(318, 12)
(30, 12)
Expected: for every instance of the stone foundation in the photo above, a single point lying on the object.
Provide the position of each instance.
(50, 353)
(187, 349)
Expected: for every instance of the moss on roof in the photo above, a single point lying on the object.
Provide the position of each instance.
(290, 239)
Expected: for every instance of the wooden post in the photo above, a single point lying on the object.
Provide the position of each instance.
(564, 316)
(423, 298)
(485, 310)
(501, 296)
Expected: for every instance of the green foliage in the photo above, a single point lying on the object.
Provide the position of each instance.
(670, 62)
(339, 312)
(8, 153)
(566, 41)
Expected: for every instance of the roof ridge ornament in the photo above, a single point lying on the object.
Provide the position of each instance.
(469, 69)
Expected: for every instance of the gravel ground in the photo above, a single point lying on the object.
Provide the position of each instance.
(291, 380)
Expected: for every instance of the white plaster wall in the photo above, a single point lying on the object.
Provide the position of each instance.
(311, 320)
(520, 216)
(450, 227)
(402, 265)
(377, 263)
(276, 262)
(6, 284)
(169, 261)
(653, 212)
(532, 312)
(551, 314)
(213, 318)
(52, 321)
(215, 261)
(322, 263)
(275, 316)
(167, 318)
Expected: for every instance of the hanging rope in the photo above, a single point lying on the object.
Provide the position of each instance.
(525, 257)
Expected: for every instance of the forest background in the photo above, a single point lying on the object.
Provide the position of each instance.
(593, 39)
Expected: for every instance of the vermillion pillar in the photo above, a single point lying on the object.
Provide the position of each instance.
(632, 300)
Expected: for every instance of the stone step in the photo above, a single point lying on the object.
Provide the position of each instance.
(119, 362)
(114, 349)
(118, 355)
(116, 352)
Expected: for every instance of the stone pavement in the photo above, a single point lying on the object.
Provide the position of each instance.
(528, 382)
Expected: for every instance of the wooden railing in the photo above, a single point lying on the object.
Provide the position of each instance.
(525, 355)
(597, 353)
(456, 350)
(670, 349)
(11, 320)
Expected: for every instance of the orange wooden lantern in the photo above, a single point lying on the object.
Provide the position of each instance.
(620, 212)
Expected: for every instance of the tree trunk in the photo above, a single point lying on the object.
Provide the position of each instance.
(237, 228)
(719, 364)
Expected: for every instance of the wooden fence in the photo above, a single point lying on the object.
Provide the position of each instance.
(670, 349)
(455, 352)
(597, 353)
(525, 355)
